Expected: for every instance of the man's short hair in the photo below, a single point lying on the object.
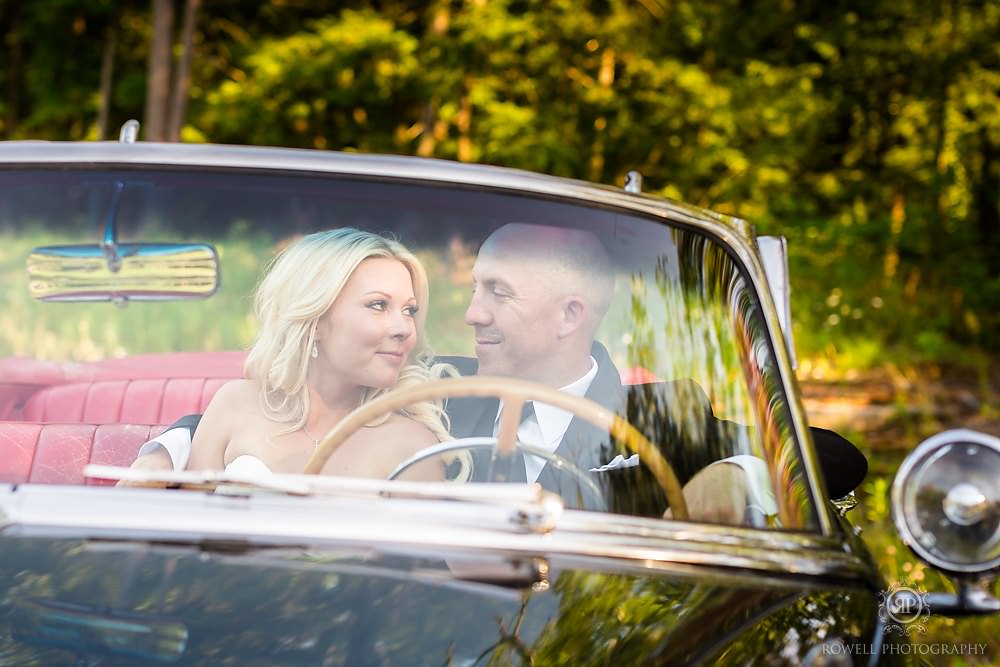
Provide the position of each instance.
(580, 262)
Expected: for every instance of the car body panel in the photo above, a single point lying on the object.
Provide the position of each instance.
(369, 590)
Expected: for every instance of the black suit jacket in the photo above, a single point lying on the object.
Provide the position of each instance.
(583, 444)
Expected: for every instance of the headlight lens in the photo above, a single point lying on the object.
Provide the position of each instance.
(946, 501)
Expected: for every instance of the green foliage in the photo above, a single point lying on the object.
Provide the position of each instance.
(319, 87)
(867, 133)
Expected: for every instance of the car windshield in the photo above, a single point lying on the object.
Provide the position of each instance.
(672, 318)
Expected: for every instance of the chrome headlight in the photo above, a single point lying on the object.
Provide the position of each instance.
(946, 501)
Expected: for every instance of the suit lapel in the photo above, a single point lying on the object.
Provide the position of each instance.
(583, 444)
(472, 416)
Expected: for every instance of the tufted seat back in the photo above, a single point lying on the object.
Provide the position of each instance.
(142, 401)
(56, 453)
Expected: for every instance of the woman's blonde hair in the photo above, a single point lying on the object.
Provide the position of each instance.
(300, 285)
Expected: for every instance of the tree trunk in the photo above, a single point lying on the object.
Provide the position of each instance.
(986, 199)
(182, 73)
(15, 70)
(107, 75)
(158, 74)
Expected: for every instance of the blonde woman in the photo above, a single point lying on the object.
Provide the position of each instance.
(341, 317)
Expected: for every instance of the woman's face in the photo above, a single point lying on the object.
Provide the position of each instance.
(366, 336)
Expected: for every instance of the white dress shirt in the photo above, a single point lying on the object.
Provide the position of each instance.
(547, 426)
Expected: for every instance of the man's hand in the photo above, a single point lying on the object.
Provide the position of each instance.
(717, 494)
(156, 460)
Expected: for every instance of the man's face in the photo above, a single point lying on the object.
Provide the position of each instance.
(515, 317)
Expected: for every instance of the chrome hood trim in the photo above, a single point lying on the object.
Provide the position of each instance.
(263, 520)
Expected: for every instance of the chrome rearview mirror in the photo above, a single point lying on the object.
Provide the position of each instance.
(126, 272)
(123, 272)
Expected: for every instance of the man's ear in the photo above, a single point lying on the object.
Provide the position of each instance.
(573, 315)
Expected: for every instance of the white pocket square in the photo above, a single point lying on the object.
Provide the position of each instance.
(618, 462)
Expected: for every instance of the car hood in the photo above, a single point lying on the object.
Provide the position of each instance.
(357, 580)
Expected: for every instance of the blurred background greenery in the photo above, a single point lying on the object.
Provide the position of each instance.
(868, 133)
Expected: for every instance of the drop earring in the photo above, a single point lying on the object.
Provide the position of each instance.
(315, 351)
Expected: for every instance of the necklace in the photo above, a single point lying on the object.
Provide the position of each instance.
(315, 441)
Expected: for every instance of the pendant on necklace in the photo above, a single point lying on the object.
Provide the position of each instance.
(315, 441)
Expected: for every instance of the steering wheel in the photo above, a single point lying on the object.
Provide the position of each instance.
(481, 442)
(513, 392)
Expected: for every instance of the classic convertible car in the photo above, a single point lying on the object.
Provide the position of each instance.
(130, 269)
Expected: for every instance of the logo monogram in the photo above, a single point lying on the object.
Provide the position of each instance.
(904, 609)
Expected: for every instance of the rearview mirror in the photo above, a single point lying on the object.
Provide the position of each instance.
(123, 272)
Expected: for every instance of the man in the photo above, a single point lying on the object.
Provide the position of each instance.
(539, 295)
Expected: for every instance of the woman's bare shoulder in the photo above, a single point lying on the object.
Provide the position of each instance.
(235, 394)
(230, 408)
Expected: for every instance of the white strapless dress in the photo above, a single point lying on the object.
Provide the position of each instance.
(247, 465)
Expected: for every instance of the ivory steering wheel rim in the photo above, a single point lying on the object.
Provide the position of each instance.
(513, 392)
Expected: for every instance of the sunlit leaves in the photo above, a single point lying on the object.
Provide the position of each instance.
(797, 116)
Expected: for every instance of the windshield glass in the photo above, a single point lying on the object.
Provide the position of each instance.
(656, 321)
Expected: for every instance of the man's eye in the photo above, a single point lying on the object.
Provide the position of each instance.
(377, 305)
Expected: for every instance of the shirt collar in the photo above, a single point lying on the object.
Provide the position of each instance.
(553, 421)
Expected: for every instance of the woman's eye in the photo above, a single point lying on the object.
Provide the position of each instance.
(411, 311)
(377, 305)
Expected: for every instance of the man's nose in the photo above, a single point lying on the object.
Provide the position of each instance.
(476, 314)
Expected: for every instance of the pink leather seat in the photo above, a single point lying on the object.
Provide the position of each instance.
(146, 401)
(56, 453)
(138, 389)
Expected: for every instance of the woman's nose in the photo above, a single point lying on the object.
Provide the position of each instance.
(402, 327)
